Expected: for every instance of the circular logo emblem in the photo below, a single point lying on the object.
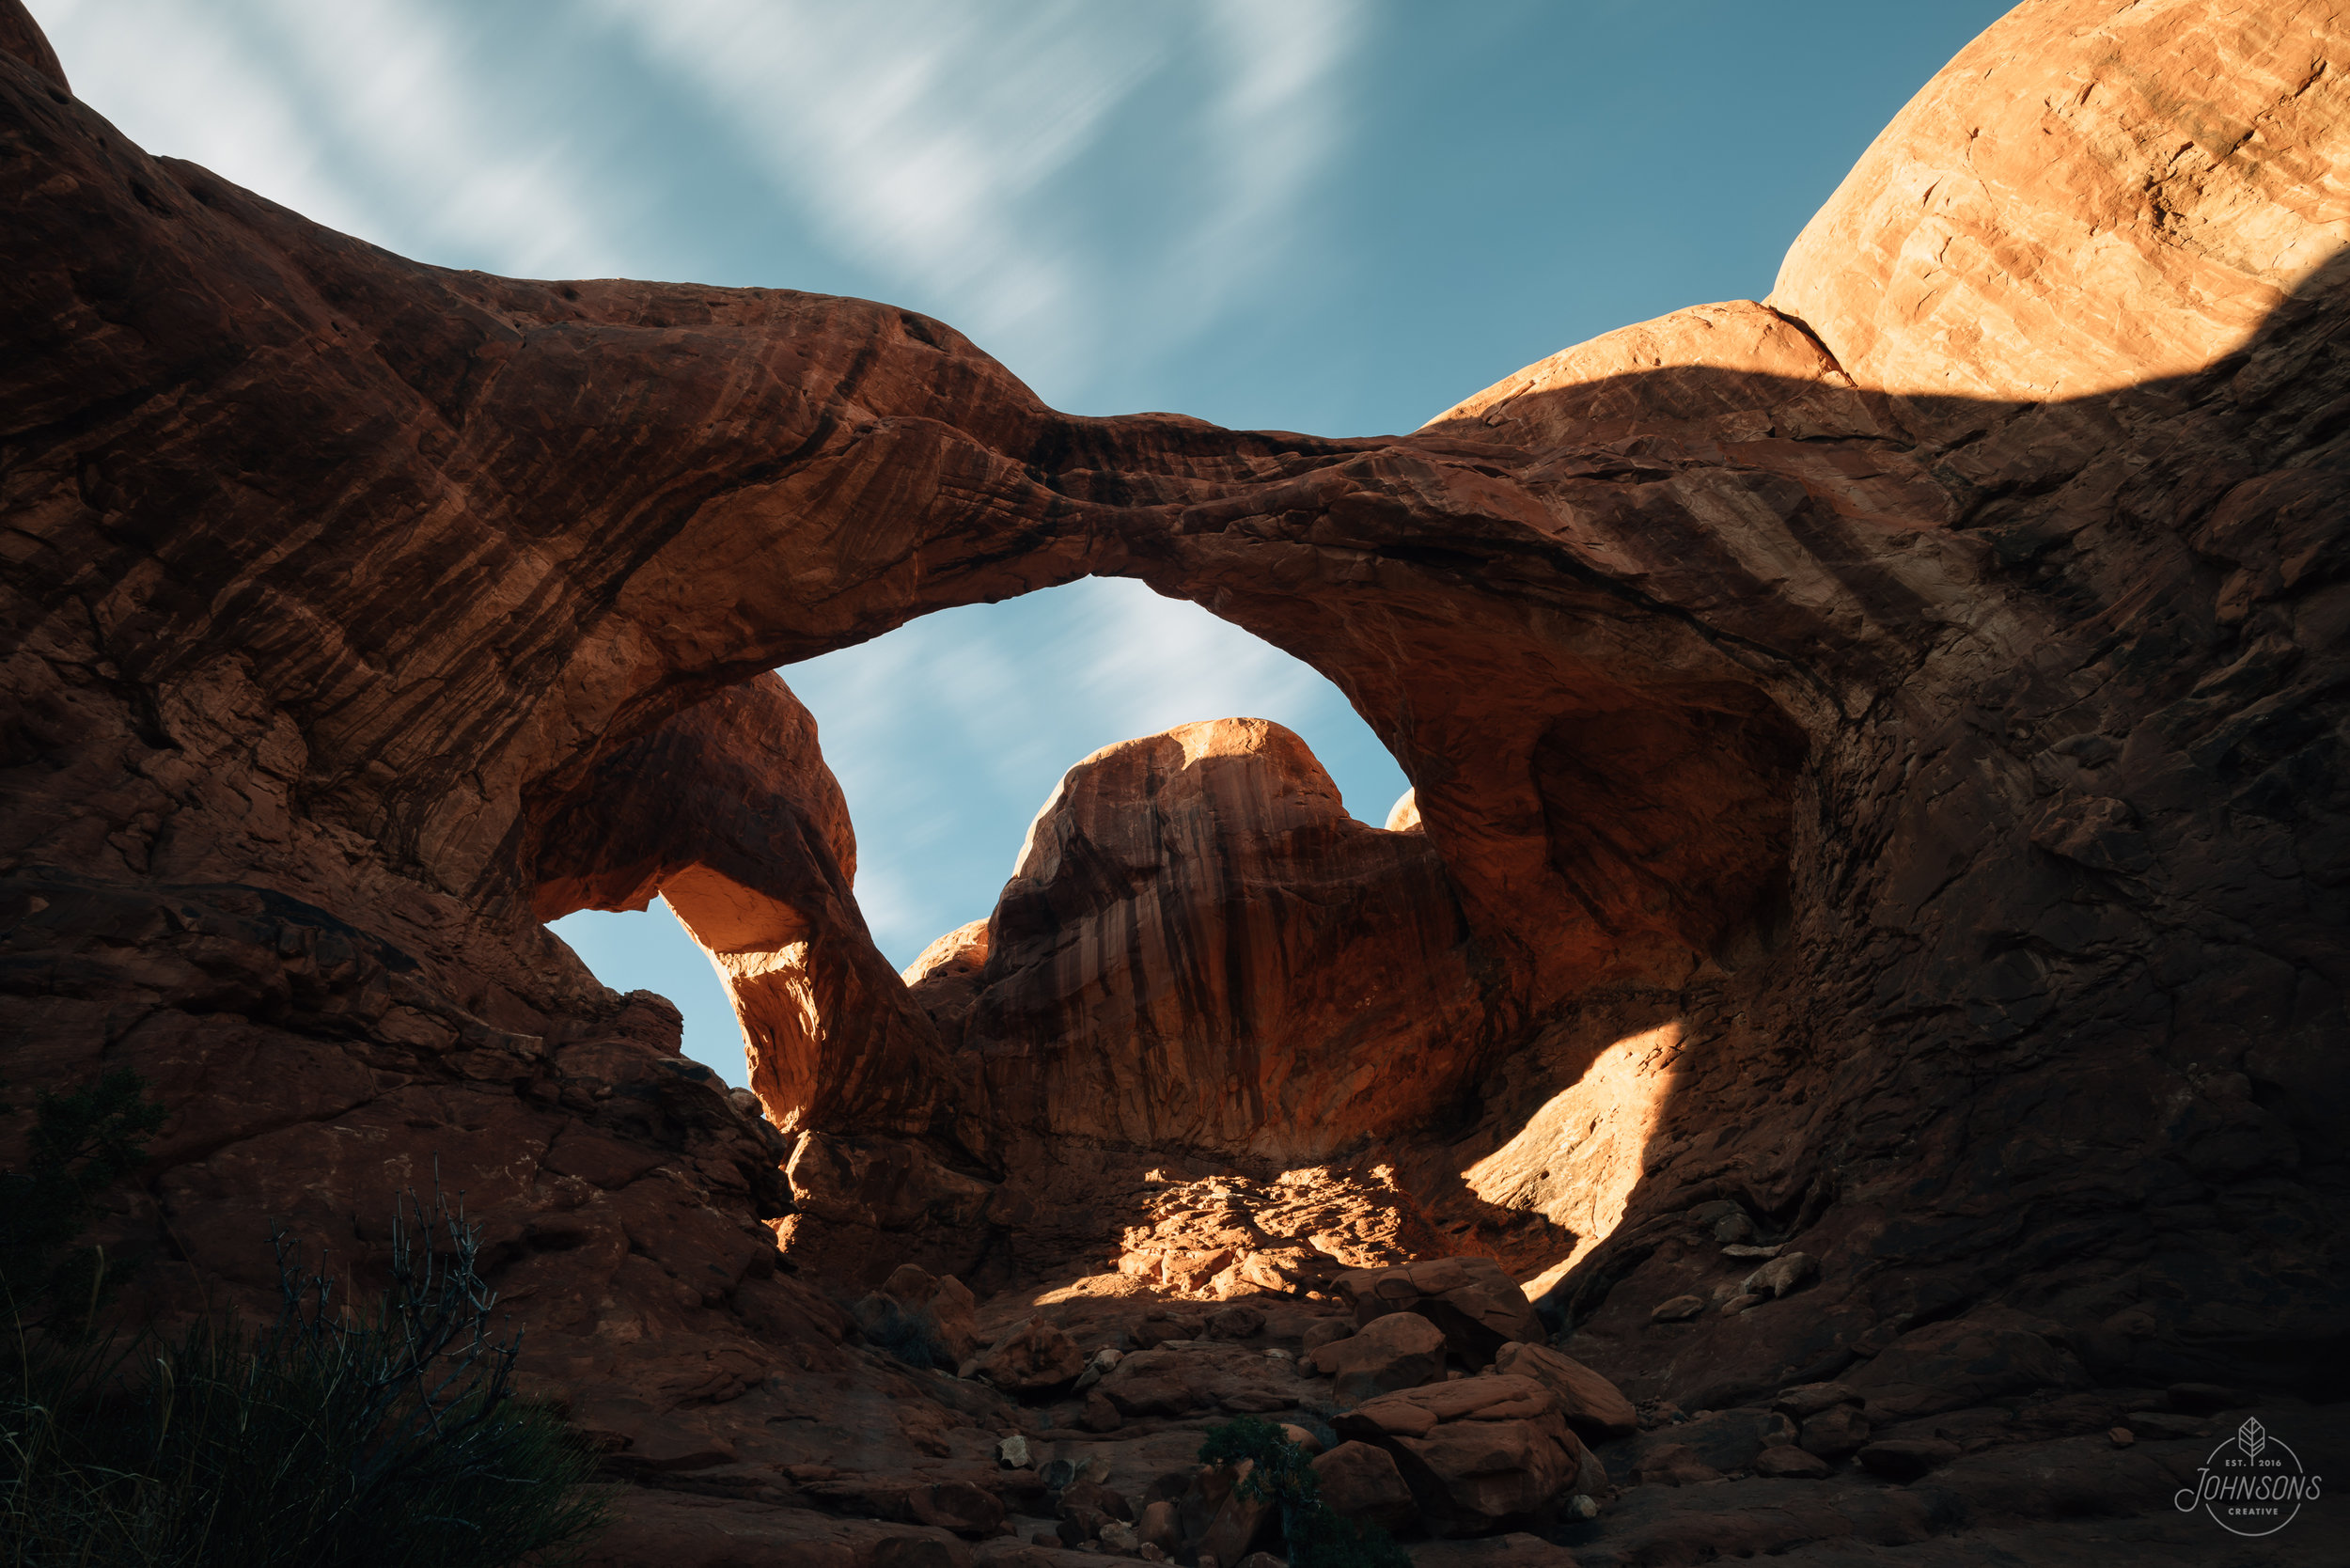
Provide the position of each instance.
(2252, 1485)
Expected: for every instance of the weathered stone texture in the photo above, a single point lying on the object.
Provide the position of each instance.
(1890, 737)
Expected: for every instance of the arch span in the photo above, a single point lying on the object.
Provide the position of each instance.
(1953, 757)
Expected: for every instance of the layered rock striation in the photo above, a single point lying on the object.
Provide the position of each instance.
(1200, 949)
(1877, 762)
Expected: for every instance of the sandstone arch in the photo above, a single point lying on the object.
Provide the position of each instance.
(342, 590)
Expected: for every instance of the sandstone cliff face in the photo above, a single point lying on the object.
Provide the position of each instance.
(1200, 949)
(1878, 756)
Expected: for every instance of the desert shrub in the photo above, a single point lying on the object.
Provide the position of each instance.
(908, 1334)
(380, 1436)
(82, 1141)
(1282, 1473)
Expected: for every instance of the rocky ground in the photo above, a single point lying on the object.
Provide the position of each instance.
(1436, 1405)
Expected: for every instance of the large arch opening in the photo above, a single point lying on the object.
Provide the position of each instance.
(948, 733)
(1314, 999)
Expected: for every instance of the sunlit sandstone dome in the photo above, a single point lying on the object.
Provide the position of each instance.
(1877, 801)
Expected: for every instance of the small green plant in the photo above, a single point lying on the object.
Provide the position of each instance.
(1280, 1473)
(387, 1436)
(908, 1334)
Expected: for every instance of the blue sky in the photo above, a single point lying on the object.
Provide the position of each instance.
(1336, 216)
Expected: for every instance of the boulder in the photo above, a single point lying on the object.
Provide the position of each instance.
(1202, 1497)
(1478, 1477)
(1474, 1300)
(1478, 1453)
(1033, 1358)
(1084, 1507)
(957, 1505)
(1672, 1465)
(1724, 1221)
(911, 1283)
(1787, 1461)
(1241, 1523)
(1235, 1322)
(1835, 1432)
(1414, 1412)
(1155, 1383)
(1789, 1271)
(1402, 1349)
(1361, 1482)
(949, 1303)
(1323, 1332)
(1596, 1407)
(1806, 1400)
(1100, 1365)
(957, 1311)
(1158, 1525)
(1590, 1477)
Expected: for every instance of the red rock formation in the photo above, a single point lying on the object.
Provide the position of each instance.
(2085, 200)
(1914, 704)
(1200, 949)
(729, 812)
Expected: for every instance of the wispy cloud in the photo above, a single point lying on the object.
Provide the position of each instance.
(1276, 122)
(948, 734)
(370, 115)
(955, 149)
(1080, 187)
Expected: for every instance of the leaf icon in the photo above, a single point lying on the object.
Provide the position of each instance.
(2251, 1438)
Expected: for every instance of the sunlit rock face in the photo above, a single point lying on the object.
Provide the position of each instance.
(2087, 198)
(1200, 949)
(1878, 755)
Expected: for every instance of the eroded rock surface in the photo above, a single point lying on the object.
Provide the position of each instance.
(1200, 949)
(727, 812)
(1877, 800)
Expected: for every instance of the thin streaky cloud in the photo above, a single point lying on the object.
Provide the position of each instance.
(187, 84)
(368, 116)
(1275, 125)
(917, 138)
(431, 125)
(944, 146)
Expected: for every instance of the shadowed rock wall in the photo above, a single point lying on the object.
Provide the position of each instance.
(1947, 749)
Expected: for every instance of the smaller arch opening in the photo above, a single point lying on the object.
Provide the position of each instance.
(949, 733)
